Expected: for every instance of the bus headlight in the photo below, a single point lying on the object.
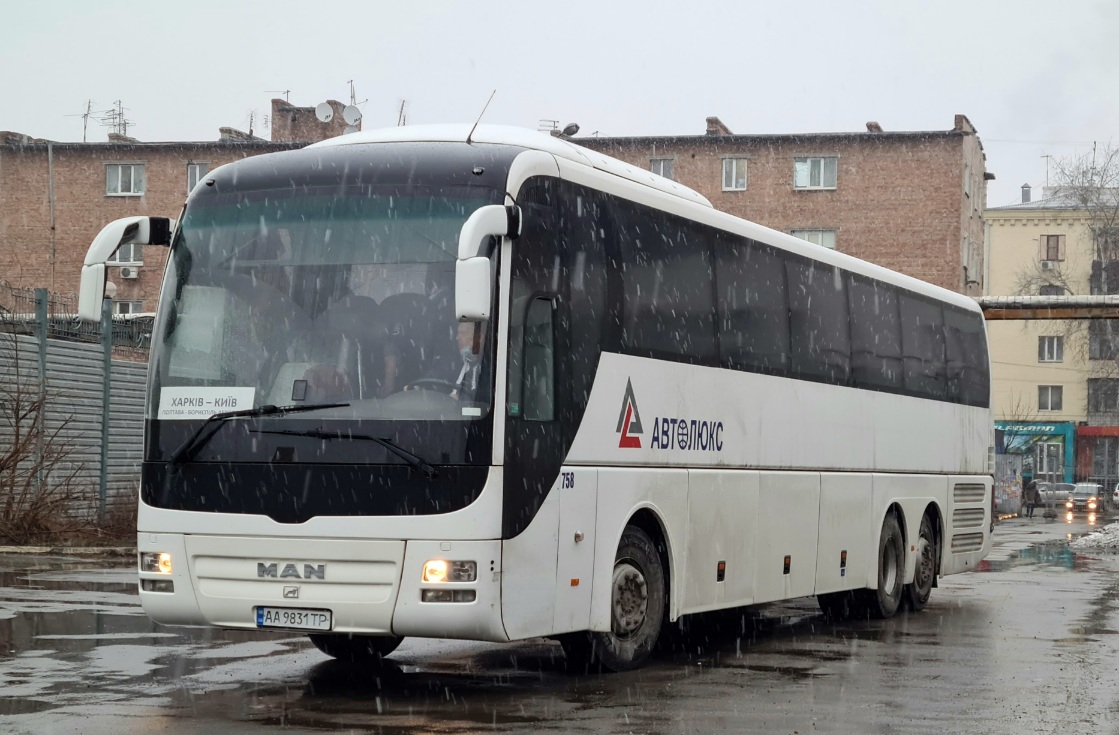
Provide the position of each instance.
(440, 570)
(156, 562)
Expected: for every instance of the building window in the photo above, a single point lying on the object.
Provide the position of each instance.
(734, 174)
(1049, 397)
(1103, 395)
(1050, 460)
(815, 173)
(127, 307)
(1051, 349)
(1053, 247)
(124, 179)
(195, 171)
(1052, 290)
(661, 167)
(130, 253)
(824, 238)
(1103, 339)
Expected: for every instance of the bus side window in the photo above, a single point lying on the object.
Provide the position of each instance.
(538, 394)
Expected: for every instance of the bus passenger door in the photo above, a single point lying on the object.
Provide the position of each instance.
(578, 495)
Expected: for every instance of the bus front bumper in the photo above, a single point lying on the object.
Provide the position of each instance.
(365, 586)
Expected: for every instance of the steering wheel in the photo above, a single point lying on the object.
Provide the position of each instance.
(435, 384)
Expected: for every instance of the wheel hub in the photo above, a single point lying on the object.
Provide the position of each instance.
(630, 599)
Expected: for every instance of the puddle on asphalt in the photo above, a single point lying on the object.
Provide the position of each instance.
(1051, 554)
(21, 706)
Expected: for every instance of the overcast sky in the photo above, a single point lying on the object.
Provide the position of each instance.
(1036, 77)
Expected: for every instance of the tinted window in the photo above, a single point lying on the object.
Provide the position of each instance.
(753, 308)
(968, 371)
(922, 344)
(668, 297)
(875, 335)
(819, 330)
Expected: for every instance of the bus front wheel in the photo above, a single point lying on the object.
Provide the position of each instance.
(355, 648)
(637, 608)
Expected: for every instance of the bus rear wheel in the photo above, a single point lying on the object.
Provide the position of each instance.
(355, 648)
(884, 601)
(637, 609)
(924, 575)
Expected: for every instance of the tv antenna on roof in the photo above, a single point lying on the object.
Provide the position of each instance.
(85, 118)
(285, 92)
(353, 97)
(115, 119)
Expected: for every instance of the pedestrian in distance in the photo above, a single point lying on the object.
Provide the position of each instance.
(1032, 497)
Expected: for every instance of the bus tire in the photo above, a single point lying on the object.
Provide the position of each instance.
(637, 610)
(355, 648)
(920, 589)
(884, 601)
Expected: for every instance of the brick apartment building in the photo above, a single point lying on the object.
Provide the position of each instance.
(56, 196)
(910, 201)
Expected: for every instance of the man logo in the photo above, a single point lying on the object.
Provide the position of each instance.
(629, 420)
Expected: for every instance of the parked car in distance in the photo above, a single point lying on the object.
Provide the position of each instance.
(1086, 497)
(1054, 493)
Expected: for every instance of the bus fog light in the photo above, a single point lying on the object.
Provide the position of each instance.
(157, 585)
(156, 562)
(436, 596)
(446, 595)
(439, 570)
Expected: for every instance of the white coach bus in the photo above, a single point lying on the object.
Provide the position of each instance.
(490, 385)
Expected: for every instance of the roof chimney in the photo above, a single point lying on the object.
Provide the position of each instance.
(1025, 193)
(715, 127)
(873, 127)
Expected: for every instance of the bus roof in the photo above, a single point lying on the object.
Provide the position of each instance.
(521, 137)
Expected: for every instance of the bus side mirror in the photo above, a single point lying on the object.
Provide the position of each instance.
(473, 272)
(473, 289)
(138, 230)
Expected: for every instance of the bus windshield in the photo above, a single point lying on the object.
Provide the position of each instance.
(321, 295)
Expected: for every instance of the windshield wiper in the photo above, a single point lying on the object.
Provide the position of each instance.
(207, 430)
(414, 461)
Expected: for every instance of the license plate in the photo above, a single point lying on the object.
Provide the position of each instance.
(291, 617)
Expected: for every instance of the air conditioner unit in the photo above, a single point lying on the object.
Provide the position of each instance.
(129, 271)
(1048, 265)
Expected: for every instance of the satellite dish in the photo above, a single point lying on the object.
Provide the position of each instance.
(351, 114)
(324, 112)
(349, 129)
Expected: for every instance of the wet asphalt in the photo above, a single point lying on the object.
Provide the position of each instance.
(1025, 644)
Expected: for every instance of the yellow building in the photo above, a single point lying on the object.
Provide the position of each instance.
(1054, 382)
